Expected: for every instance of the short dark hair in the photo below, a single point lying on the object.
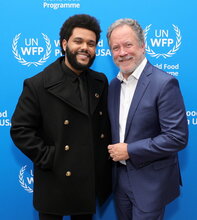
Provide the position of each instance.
(82, 21)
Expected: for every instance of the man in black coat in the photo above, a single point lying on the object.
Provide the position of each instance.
(61, 124)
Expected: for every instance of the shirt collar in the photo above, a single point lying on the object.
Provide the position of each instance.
(136, 74)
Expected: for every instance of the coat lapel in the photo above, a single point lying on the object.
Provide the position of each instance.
(56, 82)
(96, 86)
(139, 92)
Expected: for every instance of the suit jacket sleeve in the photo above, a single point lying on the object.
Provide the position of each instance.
(26, 123)
(173, 134)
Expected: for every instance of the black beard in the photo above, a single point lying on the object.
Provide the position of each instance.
(72, 59)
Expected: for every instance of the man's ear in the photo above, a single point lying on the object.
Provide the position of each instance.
(64, 43)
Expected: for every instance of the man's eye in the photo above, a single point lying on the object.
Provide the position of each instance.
(115, 48)
(92, 44)
(128, 45)
(77, 41)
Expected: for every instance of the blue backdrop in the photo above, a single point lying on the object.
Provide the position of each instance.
(29, 41)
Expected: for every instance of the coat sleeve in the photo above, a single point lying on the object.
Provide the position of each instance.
(173, 134)
(25, 129)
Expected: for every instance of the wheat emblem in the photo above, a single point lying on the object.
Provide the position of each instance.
(171, 52)
(22, 182)
(27, 63)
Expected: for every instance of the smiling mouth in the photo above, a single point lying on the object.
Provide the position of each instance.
(83, 54)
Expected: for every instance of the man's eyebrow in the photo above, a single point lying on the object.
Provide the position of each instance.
(80, 38)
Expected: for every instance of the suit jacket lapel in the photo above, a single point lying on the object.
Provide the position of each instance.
(139, 92)
(116, 108)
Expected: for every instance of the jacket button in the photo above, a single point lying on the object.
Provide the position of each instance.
(68, 173)
(97, 95)
(100, 113)
(67, 147)
(66, 122)
(102, 136)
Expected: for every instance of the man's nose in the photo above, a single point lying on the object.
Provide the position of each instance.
(122, 51)
(84, 45)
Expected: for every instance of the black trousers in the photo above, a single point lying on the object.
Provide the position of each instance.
(43, 216)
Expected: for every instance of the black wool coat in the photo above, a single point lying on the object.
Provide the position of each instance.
(67, 145)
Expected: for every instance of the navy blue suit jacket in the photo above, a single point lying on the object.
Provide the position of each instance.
(156, 130)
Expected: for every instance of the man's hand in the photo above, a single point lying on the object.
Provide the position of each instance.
(118, 151)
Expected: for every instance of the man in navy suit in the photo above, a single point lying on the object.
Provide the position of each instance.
(149, 127)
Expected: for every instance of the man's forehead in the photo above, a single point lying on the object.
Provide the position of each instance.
(83, 32)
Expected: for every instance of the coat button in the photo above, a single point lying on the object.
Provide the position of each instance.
(68, 173)
(66, 122)
(100, 113)
(67, 147)
(97, 95)
(102, 136)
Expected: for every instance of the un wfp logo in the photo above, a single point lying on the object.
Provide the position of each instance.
(31, 48)
(26, 179)
(164, 41)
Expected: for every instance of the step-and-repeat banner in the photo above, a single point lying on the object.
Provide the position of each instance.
(29, 41)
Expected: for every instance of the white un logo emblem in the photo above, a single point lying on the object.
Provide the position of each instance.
(26, 179)
(31, 49)
(164, 40)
